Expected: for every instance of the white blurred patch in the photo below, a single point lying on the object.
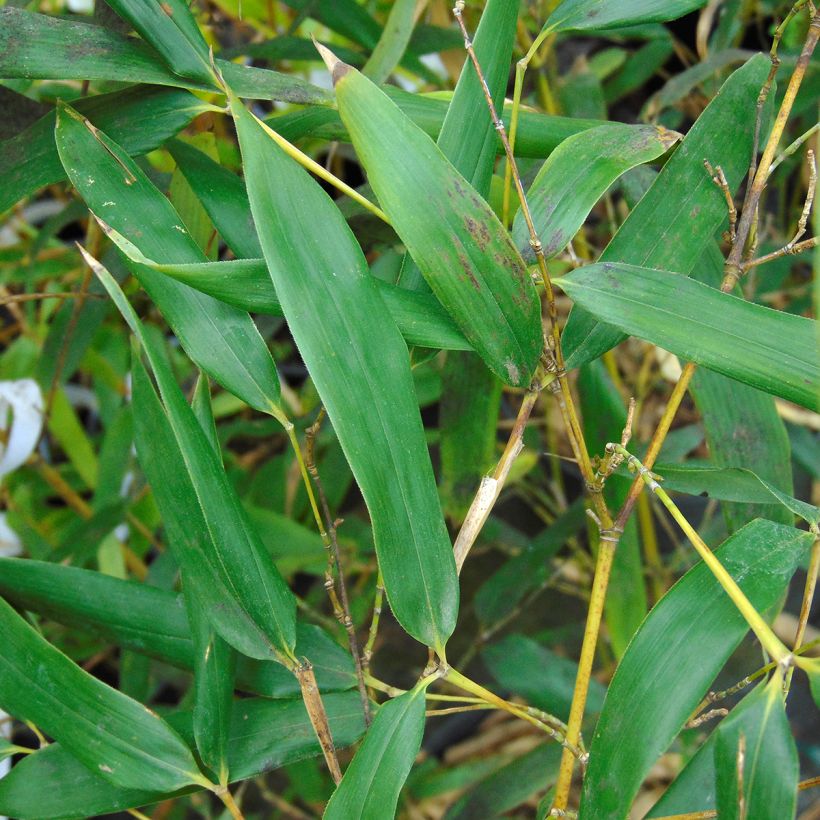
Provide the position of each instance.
(21, 422)
(669, 364)
(10, 544)
(80, 6)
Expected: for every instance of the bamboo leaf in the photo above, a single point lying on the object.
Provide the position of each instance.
(220, 339)
(246, 284)
(264, 735)
(29, 160)
(36, 46)
(538, 134)
(676, 220)
(743, 429)
(171, 29)
(694, 788)
(756, 739)
(114, 736)
(453, 235)
(154, 622)
(675, 656)
(220, 552)
(733, 484)
(360, 366)
(393, 41)
(592, 15)
(720, 331)
(214, 658)
(577, 174)
(370, 787)
(471, 394)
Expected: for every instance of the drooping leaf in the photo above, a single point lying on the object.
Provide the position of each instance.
(153, 622)
(592, 15)
(733, 484)
(111, 734)
(756, 739)
(29, 160)
(453, 235)
(221, 339)
(675, 656)
(717, 330)
(677, 218)
(577, 174)
(370, 787)
(264, 735)
(214, 658)
(37, 46)
(219, 551)
(246, 284)
(360, 366)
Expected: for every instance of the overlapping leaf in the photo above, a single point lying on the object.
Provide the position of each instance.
(220, 339)
(453, 235)
(360, 366)
(703, 325)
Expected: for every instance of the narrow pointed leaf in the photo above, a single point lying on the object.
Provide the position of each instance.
(454, 237)
(694, 788)
(252, 606)
(154, 622)
(264, 735)
(770, 768)
(37, 46)
(700, 324)
(393, 41)
(29, 160)
(220, 339)
(733, 484)
(361, 369)
(582, 15)
(214, 658)
(111, 734)
(677, 218)
(577, 174)
(674, 658)
(171, 29)
(370, 787)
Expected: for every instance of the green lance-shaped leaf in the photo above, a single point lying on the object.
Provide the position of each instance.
(744, 430)
(264, 735)
(220, 339)
(471, 394)
(29, 160)
(246, 284)
(734, 484)
(370, 787)
(393, 41)
(172, 30)
(214, 658)
(577, 174)
(677, 218)
(454, 237)
(756, 757)
(115, 736)
(361, 369)
(153, 622)
(674, 658)
(37, 46)
(218, 550)
(700, 324)
(593, 15)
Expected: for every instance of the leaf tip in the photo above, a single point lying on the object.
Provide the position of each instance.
(668, 137)
(334, 65)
